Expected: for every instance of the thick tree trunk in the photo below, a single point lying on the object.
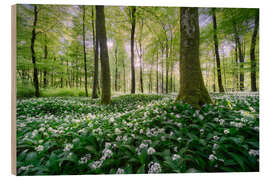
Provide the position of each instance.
(252, 53)
(84, 53)
(33, 38)
(221, 89)
(192, 89)
(104, 57)
(133, 23)
(95, 49)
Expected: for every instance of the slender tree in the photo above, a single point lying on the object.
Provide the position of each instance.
(133, 23)
(192, 89)
(84, 51)
(95, 49)
(33, 38)
(221, 89)
(104, 57)
(252, 53)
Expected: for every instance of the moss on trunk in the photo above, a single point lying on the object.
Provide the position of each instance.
(192, 88)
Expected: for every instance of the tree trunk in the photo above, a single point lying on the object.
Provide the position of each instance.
(84, 52)
(252, 53)
(157, 86)
(162, 80)
(221, 89)
(116, 70)
(95, 49)
(241, 58)
(214, 82)
(167, 67)
(236, 66)
(192, 89)
(133, 23)
(45, 82)
(124, 76)
(33, 38)
(104, 57)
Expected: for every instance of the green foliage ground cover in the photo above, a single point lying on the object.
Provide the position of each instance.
(137, 134)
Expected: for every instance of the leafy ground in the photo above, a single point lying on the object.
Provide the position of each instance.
(137, 134)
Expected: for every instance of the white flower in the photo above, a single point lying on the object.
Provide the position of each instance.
(34, 133)
(253, 152)
(201, 117)
(215, 146)
(212, 157)
(90, 125)
(179, 139)
(117, 131)
(201, 131)
(216, 138)
(118, 138)
(85, 159)
(143, 146)
(163, 138)
(171, 133)
(69, 155)
(226, 131)
(178, 116)
(22, 125)
(221, 121)
(175, 148)
(150, 151)
(175, 157)
(26, 168)
(141, 131)
(120, 171)
(107, 153)
(68, 147)
(96, 164)
(111, 120)
(178, 125)
(107, 145)
(39, 148)
(154, 168)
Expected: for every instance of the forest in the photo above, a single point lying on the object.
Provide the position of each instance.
(136, 89)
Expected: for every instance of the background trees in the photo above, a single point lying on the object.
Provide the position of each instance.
(143, 45)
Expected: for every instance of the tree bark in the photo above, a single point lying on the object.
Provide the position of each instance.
(167, 67)
(162, 80)
(104, 57)
(236, 66)
(124, 69)
(252, 53)
(84, 53)
(33, 38)
(221, 89)
(133, 23)
(45, 82)
(116, 70)
(157, 86)
(95, 49)
(192, 89)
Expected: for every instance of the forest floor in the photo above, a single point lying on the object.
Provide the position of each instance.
(137, 134)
